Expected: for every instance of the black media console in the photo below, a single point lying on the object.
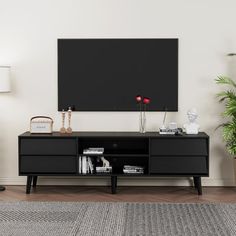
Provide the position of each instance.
(161, 155)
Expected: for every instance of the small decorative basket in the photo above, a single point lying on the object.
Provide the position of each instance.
(41, 125)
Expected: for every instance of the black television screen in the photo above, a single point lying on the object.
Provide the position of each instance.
(107, 74)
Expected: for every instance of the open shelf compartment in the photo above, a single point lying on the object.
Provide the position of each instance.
(114, 146)
(118, 163)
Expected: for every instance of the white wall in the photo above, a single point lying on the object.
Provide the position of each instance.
(28, 42)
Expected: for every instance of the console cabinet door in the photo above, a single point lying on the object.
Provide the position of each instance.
(48, 146)
(178, 165)
(47, 164)
(179, 146)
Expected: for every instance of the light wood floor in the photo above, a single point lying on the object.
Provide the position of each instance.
(124, 194)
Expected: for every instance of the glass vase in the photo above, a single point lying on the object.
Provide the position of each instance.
(142, 122)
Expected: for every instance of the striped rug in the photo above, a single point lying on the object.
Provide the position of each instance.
(113, 219)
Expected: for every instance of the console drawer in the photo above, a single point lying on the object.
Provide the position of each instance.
(48, 146)
(47, 164)
(179, 146)
(178, 165)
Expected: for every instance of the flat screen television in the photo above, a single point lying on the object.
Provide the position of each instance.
(107, 74)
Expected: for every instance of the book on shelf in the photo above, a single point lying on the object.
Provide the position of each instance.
(90, 165)
(80, 165)
(85, 165)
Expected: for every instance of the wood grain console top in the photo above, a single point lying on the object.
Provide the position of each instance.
(116, 134)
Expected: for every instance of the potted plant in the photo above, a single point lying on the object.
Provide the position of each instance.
(228, 97)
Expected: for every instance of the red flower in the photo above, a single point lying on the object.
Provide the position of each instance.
(138, 98)
(146, 100)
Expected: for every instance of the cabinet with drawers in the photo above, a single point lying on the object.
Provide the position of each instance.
(160, 155)
(179, 156)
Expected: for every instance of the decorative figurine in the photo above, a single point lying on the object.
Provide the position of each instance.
(63, 129)
(69, 129)
(105, 162)
(192, 127)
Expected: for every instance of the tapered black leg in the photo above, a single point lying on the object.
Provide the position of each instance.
(28, 185)
(194, 181)
(113, 184)
(2, 188)
(198, 184)
(35, 178)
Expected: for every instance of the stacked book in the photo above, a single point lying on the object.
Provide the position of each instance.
(93, 151)
(133, 169)
(102, 169)
(167, 131)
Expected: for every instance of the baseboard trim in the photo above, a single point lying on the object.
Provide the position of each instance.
(123, 181)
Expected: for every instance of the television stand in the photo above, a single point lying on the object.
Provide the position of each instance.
(160, 155)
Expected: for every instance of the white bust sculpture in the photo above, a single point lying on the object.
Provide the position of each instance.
(192, 127)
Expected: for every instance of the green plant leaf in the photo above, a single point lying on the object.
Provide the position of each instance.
(231, 147)
(230, 108)
(225, 80)
(229, 131)
(226, 95)
(229, 128)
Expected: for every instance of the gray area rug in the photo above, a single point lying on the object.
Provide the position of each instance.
(113, 219)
